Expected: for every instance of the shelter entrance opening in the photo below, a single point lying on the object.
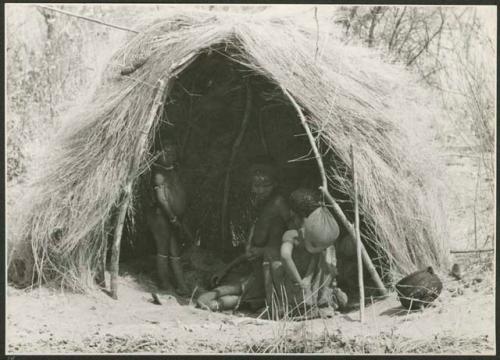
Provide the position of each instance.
(228, 145)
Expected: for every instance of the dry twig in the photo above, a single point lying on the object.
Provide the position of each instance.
(88, 19)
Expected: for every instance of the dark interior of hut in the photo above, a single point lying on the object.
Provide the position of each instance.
(204, 117)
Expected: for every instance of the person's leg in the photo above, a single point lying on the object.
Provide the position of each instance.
(230, 289)
(277, 270)
(223, 297)
(268, 283)
(175, 262)
(208, 301)
(228, 302)
(269, 267)
(272, 273)
(160, 231)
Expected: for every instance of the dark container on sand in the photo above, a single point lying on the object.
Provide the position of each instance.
(419, 289)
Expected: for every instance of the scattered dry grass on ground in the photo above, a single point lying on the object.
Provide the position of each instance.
(384, 343)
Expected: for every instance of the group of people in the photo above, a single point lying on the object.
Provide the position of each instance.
(289, 260)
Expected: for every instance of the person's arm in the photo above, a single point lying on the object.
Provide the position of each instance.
(286, 256)
(217, 278)
(240, 259)
(164, 205)
(248, 244)
(255, 252)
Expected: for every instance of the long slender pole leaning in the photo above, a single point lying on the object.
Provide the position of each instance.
(117, 237)
(358, 242)
(336, 208)
(88, 19)
(101, 272)
(234, 152)
(471, 251)
(161, 91)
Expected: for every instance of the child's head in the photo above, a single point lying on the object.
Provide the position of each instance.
(303, 202)
(262, 176)
(167, 155)
(320, 230)
(158, 179)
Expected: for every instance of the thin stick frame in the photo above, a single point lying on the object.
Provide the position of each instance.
(358, 241)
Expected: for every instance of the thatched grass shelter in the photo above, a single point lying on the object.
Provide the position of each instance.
(348, 95)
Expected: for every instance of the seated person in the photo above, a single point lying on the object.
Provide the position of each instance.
(304, 257)
(264, 238)
(168, 205)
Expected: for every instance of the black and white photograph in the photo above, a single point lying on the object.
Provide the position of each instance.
(250, 179)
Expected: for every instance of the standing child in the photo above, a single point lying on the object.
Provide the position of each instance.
(168, 206)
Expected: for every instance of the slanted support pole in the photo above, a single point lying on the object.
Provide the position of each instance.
(127, 191)
(358, 241)
(336, 208)
(234, 153)
(100, 277)
(162, 89)
(117, 237)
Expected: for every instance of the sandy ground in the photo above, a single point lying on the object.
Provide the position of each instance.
(49, 321)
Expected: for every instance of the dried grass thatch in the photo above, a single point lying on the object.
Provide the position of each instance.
(349, 95)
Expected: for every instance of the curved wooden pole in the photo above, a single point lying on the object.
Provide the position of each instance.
(234, 152)
(336, 208)
(117, 236)
(127, 191)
